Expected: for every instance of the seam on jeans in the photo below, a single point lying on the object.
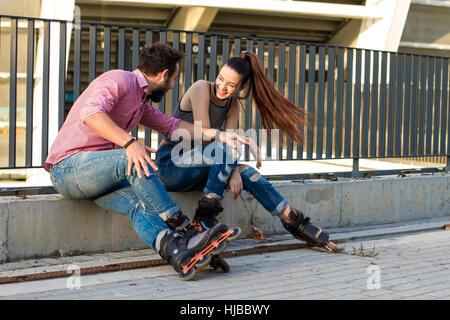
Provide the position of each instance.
(151, 201)
(83, 196)
(137, 207)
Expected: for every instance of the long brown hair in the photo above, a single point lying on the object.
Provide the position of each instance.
(276, 111)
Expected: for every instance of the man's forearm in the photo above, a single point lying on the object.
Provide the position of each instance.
(102, 124)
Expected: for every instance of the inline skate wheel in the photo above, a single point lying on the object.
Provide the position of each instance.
(204, 262)
(221, 264)
(188, 275)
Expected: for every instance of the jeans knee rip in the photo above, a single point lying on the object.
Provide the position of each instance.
(255, 177)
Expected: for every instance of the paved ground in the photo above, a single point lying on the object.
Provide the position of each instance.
(412, 265)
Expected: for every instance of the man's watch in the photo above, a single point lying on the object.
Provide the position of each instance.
(133, 139)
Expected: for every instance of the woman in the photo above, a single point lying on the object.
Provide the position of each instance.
(217, 105)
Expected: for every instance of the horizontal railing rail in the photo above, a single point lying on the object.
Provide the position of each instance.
(362, 104)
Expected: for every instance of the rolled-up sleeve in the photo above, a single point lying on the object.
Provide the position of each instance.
(103, 94)
(161, 122)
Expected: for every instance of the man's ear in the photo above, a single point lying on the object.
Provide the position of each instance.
(164, 75)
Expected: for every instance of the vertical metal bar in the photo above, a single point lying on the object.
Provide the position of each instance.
(213, 58)
(45, 91)
(106, 49)
(147, 130)
(291, 92)
(148, 38)
(188, 62)
(448, 133)
(398, 107)
(437, 106)
(134, 63)
(258, 126)
(62, 73)
(162, 103)
(391, 107)
(237, 47)
(355, 171)
(271, 74)
(366, 106)
(281, 85)
(248, 107)
(357, 106)
(422, 106)
(407, 106)
(301, 94)
(348, 103)
(121, 49)
(445, 113)
(201, 57)
(339, 103)
(375, 107)
(330, 102)
(136, 46)
(30, 89)
(92, 51)
(225, 49)
(430, 89)
(414, 104)
(237, 53)
(77, 62)
(320, 103)
(382, 120)
(13, 93)
(311, 96)
(163, 36)
(176, 86)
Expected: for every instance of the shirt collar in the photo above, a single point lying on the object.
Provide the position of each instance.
(141, 80)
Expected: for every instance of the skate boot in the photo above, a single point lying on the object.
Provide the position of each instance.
(300, 227)
(205, 217)
(195, 235)
(186, 256)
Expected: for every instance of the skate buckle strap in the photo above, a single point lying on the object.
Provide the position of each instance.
(214, 244)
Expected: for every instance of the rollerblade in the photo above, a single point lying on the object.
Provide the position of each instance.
(205, 217)
(187, 256)
(300, 227)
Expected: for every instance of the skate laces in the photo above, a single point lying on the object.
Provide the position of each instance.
(197, 226)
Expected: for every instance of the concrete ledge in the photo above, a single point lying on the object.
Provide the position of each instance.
(46, 225)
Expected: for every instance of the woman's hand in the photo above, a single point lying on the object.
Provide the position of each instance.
(235, 183)
(231, 138)
(255, 151)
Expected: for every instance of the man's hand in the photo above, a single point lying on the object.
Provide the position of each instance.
(138, 156)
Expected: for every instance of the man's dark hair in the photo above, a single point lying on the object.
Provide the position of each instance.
(158, 57)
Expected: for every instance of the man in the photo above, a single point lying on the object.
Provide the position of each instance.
(94, 156)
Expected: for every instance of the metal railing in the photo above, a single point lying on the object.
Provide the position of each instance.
(363, 103)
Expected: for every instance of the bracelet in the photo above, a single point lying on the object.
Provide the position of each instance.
(133, 139)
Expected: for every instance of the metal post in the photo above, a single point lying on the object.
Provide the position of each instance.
(355, 172)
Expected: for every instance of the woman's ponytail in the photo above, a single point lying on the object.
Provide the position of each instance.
(276, 111)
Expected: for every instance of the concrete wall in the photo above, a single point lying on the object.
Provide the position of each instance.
(49, 224)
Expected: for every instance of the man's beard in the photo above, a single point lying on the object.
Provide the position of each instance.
(159, 92)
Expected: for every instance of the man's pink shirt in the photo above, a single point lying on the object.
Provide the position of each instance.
(121, 95)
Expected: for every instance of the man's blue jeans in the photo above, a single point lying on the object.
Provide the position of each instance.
(101, 176)
(209, 167)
